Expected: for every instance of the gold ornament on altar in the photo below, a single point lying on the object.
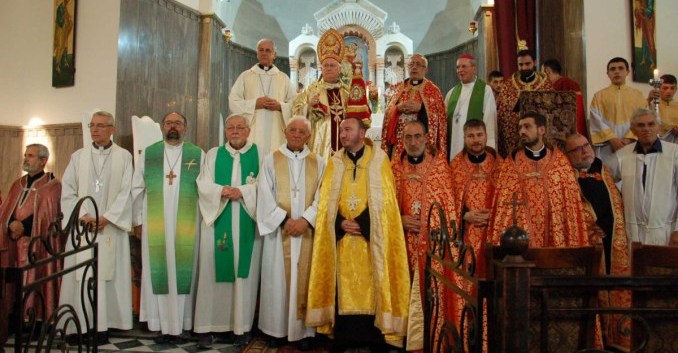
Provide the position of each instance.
(331, 45)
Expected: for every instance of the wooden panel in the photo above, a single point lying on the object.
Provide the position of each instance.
(442, 66)
(61, 140)
(560, 36)
(157, 64)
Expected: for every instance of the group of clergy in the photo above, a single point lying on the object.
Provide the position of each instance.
(332, 228)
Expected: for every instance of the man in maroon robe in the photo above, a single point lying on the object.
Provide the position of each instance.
(31, 205)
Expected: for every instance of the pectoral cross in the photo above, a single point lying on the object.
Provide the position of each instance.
(514, 203)
(97, 185)
(171, 176)
(295, 190)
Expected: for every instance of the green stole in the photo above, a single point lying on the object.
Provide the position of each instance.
(223, 251)
(475, 105)
(187, 212)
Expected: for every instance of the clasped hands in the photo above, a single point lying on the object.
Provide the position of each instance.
(478, 218)
(409, 107)
(231, 193)
(296, 227)
(268, 104)
(350, 227)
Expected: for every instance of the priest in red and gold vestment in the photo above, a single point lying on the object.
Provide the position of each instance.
(324, 102)
(31, 205)
(525, 79)
(604, 204)
(541, 178)
(473, 172)
(416, 98)
(421, 178)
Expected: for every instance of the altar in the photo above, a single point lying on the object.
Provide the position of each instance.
(382, 51)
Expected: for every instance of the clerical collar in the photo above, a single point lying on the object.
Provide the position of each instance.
(296, 153)
(416, 82)
(536, 155)
(241, 150)
(416, 160)
(355, 156)
(470, 83)
(265, 68)
(529, 78)
(107, 146)
(655, 148)
(30, 179)
(477, 159)
(332, 85)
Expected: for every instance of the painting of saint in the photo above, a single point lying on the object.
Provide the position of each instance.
(63, 53)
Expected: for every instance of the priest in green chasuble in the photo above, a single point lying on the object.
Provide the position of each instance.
(102, 170)
(230, 250)
(166, 205)
(359, 286)
(288, 203)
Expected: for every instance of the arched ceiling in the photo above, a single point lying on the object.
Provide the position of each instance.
(433, 25)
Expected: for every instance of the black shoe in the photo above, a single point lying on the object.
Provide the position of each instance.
(275, 342)
(225, 337)
(205, 341)
(242, 340)
(180, 339)
(101, 338)
(305, 344)
(163, 339)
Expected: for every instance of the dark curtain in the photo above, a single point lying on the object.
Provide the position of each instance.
(507, 11)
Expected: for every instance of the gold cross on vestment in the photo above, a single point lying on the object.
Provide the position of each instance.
(171, 176)
(190, 164)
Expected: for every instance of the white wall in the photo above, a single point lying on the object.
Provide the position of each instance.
(26, 92)
(608, 34)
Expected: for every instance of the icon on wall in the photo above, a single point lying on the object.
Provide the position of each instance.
(63, 51)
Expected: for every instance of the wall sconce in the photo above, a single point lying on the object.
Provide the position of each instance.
(473, 27)
(227, 33)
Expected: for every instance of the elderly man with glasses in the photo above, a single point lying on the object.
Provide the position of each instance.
(103, 171)
(603, 202)
(416, 98)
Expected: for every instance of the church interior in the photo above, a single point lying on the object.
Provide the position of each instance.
(137, 58)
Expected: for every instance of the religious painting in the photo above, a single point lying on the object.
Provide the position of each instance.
(560, 110)
(63, 51)
(355, 58)
(644, 44)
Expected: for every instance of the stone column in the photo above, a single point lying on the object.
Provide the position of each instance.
(294, 72)
(379, 70)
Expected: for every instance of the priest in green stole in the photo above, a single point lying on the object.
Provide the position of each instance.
(166, 205)
(287, 208)
(359, 286)
(230, 251)
(470, 99)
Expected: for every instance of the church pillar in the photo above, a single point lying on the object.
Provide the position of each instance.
(294, 72)
(488, 29)
(379, 68)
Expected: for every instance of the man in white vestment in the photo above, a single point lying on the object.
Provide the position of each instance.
(264, 95)
(230, 250)
(472, 98)
(648, 170)
(287, 206)
(103, 171)
(166, 205)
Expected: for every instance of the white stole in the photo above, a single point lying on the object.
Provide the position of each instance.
(105, 238)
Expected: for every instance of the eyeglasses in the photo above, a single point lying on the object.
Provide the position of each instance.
(98, 126)
(238, 127)
(416, 64)
(579, 149)
(176, 123)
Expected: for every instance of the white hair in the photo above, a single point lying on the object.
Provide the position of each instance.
(233, 116)
(264, 40)
(111, 119)
(642, 112)
(301, 118)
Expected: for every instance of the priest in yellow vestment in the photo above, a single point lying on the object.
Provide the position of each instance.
(359, 286)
